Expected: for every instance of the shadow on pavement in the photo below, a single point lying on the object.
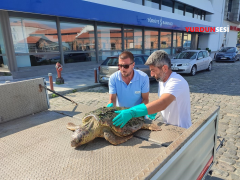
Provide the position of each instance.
(213, 178)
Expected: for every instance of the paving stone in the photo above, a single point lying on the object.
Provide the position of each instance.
(220, 151)
(231, 131)
(237, 172)
(234, 177)
(238, 144)
(222, 123)
(230, 156)
(237, 164)
(220, 172)
(227, 161)
(223, 134)
(236, 137)
(232, 152)
(224, 166)
(230, 139)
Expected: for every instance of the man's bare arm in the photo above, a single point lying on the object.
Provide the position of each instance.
(160, 104)
(145, 98)
(112, 99)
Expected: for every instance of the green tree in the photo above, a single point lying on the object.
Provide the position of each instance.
(238, 37)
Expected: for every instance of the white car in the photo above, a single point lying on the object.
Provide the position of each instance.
(191, 61)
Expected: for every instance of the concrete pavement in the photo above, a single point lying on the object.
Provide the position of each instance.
(73, 81)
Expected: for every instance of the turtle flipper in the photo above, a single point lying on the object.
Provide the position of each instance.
(72, 126)
(152, 127)
(113, 139)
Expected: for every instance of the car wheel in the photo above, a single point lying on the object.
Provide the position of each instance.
(209, 66)
(193, 70)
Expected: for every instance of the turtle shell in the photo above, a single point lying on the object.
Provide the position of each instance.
(105, 115)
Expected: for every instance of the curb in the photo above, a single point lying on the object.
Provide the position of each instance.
(6, 78)
(78, 89)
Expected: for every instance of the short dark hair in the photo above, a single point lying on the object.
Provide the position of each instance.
(126, 54)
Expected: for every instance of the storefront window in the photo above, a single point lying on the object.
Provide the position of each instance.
(189, 11)
(72, 57)
(3, 58)
(179, 8)
(135, 1)
(151, 39)
(37, 59)
(77, 37)
(35, 41)
(32, 35)
(167, 5)
(177, 42)
(78, 42)
(109, 39)
(152, 3)
(166, 41)
(187, 41)
(133, 40)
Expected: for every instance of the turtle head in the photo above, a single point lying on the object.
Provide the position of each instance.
(81, 136)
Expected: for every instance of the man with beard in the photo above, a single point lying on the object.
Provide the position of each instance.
(174, 95)
(128, 87)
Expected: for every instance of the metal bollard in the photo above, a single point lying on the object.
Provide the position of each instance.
(50, 81)
(95, 74)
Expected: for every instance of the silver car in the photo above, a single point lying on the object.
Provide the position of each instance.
(191, 61)
(110, 66)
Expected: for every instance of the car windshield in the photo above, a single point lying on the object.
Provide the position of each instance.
(186, 55)
(228, 49)
(111, 61)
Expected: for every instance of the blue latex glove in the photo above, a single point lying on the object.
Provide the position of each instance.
(110, 105)
(152, 116)
(125, 115)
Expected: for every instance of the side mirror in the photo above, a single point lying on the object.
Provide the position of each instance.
(200, 58)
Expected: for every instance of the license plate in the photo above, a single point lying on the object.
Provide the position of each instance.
(105, 78)
(223, 58)
(174, 68)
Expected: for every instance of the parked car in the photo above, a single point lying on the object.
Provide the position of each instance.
(227, 54)
(191, 61)
(110, 66)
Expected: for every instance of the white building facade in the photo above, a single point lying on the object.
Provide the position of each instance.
(226, 14)
(40, 33)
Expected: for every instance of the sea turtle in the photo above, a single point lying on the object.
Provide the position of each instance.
(99, 123)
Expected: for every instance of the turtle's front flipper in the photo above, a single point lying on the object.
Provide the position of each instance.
(113, 139)
(152, 127)
(72, 126)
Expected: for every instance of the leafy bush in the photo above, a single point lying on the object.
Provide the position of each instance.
(74, 90)
(54, 95)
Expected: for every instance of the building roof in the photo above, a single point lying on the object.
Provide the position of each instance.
(31, 39)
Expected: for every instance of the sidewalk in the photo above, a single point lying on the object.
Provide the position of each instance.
(80, 79)
(76, 80)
